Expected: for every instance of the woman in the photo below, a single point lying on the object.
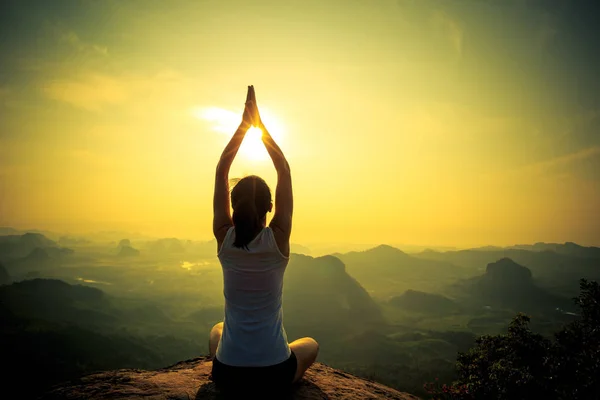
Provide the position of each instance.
(250, 346)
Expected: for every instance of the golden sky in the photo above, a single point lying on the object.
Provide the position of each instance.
(455, 123)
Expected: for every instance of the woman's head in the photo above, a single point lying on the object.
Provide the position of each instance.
(251, 200)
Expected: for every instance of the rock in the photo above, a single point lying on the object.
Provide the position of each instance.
(189, 380)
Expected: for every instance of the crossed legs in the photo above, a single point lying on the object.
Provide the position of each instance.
(305, 349)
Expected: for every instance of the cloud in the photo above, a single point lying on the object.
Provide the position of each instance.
(224, 121)
(450, 28)
(91, 92)
(561, 162)
(142, 95)
(75, 41)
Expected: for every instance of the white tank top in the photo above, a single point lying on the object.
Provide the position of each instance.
(253, 333)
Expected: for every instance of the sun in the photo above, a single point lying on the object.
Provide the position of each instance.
(252, 147)
(226, 122)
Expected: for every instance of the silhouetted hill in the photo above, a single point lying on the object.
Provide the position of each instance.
(128, 251)
(17, 246)
(319, 293)
(8, 231)
(56, 301)
(73, 329)
(4, 277)
(166, 246)
(558, 272)
(190, 380)
(567, 248)
(507, 284)
(422, 302)
(299, 249)
(386, 271)
(37, 255)
(37, 260)
(52, 353)
(506, 272)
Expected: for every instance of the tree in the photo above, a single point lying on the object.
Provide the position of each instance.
(523, 365)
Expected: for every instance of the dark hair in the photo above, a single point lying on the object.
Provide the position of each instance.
(251, 200)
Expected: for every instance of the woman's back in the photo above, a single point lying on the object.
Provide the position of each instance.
(251, 344)
(253, 332)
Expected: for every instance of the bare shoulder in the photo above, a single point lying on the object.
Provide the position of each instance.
(221, 234)
(282, 239)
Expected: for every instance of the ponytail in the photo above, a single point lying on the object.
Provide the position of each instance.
(246, 222)
(251, 199)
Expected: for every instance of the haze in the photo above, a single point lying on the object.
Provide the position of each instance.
(453, 123)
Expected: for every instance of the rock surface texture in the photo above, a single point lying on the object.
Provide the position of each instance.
(190, 380)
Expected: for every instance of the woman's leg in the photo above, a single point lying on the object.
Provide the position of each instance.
(215, 337)
(306, 350)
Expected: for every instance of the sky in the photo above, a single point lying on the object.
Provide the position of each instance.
(431, 122)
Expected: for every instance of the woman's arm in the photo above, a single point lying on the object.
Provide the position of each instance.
(221, 203)
(284, 199)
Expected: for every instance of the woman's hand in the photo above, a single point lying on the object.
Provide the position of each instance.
(248, 116)
(252, 108)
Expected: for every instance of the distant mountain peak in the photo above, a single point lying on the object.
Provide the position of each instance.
(385, 248)
(128, 251)
(333, 262)
(506, 271)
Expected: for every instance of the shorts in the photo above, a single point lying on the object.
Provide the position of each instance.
(274, 378)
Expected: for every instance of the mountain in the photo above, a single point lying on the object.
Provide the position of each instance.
(128, 251)
(190, 380)
(319, 294)
(507, 284)
(70, 330)
(8, 231)
(56, 301)
(386, 271)
(125, 249)
(89, 330)
(16, 246)
(4, 277)
(166, 246)
(38, 259)
(567, 248)
(422, 302)
(299, 249)
(53, 353)
(554, 271)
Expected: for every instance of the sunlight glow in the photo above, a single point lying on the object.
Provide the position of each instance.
(253, 147)
(226, 121)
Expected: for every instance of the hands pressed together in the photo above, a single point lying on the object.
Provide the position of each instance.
(251, 116)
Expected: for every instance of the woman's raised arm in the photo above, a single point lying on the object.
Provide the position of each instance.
(284, 199)
(221, 203)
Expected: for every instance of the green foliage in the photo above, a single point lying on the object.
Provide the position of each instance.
(523, 365)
